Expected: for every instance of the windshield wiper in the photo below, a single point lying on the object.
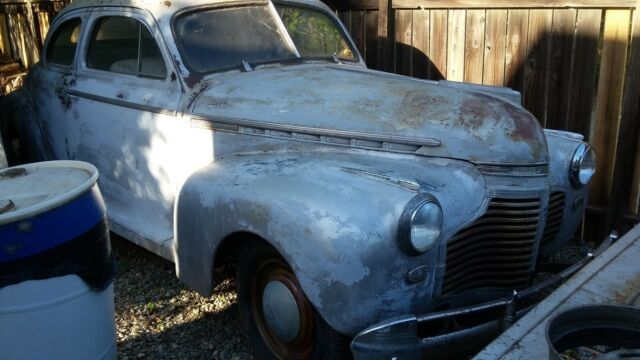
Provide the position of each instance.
(285, 60)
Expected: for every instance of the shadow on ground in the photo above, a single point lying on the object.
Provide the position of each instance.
(159, 318)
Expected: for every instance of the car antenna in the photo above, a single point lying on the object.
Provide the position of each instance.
(246, 65)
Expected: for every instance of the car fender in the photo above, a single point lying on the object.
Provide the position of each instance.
(333, 220)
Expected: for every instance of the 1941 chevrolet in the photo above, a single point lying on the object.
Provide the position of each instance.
(349, 197)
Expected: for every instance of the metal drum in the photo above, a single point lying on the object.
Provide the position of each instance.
(56, 266)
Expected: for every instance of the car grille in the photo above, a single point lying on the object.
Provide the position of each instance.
(554, 217)
(497, 250)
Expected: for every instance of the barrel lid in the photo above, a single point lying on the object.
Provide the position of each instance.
(31, 189)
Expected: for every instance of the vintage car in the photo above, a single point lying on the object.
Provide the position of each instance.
(254, 129)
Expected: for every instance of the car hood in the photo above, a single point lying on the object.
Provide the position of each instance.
(342, 99)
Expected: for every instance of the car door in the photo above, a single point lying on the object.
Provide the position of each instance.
(46, 128)
(125, 122)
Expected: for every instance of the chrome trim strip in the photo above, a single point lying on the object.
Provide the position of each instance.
(234, 124)
(122, 103)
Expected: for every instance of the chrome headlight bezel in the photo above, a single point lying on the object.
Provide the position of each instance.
(420, 206)
(582, 153)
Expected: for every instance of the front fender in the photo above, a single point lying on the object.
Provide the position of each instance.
(562, 146)
(333, 217)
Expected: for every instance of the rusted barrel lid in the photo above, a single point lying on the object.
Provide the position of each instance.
(616, 327)
(32, 189)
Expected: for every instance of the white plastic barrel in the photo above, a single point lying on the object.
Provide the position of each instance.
(56, 266)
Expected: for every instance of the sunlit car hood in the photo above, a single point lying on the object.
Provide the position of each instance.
(461, 124)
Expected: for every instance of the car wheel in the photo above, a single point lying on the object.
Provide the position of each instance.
(10, 140)
(275, 314)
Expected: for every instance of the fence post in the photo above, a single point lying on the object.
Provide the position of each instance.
(623, 172)
(385, 30)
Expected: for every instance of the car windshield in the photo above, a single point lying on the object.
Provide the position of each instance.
(219, 39)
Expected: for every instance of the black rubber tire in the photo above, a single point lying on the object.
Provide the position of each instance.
(327, 343)
(14, 150)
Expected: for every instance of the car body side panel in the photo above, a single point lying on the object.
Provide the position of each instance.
(333, 217)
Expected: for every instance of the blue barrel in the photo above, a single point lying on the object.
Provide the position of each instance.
(56, 265)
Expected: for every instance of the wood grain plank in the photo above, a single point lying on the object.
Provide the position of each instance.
(583, 82)
(516, 52)
(403, 42)
(561, 68)
(510, 4)
(537, 63)
(385, 43)
(483, 4)
(44, 22)
(420, 43)
(455, 47)
(474, 46)
(345, 18)
(358, 29)
(5, 44)
(372, 39)
(608, 108)
(495, 47)
(626, 180)
(438, 44)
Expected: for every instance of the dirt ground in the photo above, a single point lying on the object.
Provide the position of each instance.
(159, 318)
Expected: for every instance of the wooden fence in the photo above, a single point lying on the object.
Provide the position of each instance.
(576, 63)
(24, 26)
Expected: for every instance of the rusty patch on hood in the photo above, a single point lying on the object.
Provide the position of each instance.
(474, 112)
(413, 106)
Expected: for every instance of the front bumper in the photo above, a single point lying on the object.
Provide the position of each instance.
(400, 338)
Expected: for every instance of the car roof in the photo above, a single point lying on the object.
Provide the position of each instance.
(166, 8)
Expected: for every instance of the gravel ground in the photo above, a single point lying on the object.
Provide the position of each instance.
(159, 318)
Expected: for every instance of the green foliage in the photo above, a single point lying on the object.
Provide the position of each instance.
(313, 33)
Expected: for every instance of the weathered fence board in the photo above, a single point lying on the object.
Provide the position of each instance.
(608, 108)
(583, 82)
(455, 48)
(625, 190)
(484, 4)
(537, 63)
(516, 51)
(438, 41)
(560, 69)
(403, 42)
(495, 47)
(474, 46)
(420, 41)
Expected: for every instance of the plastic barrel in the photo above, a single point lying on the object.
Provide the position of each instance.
(56, 266)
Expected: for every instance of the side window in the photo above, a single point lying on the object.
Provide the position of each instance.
(124, 45)
(64, 41)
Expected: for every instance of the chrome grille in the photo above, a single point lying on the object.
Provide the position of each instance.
(496, 251)
(554, 217)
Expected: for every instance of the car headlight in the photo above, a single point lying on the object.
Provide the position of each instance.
(583, 166)
(420, 224)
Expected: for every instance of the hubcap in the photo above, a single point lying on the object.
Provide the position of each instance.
(281, 311)
(283, 314)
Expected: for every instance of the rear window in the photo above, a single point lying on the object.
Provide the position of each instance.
(64, 41)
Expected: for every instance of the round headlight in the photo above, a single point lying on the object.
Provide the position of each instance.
(421, 224)
(583, 166)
